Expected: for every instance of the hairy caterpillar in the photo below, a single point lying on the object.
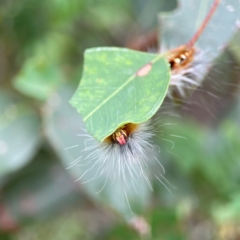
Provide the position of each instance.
(188, 63)
(126, 154)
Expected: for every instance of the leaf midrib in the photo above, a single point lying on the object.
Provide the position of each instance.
(119, 89)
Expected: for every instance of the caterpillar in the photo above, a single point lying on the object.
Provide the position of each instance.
(187, 62)
(126, 155)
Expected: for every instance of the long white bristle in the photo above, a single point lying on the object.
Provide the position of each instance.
(129, 164)
(192, 75)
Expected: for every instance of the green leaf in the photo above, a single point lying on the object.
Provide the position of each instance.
(179, 27)
(228, 212)
(41, 73)
(68, 226)
(38, 79)
(113, 91)
(34, 192)
(146, 12)
(19, 133)
(164, 223)
(62, 12)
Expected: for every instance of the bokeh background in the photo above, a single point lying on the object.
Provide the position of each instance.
(41, 58)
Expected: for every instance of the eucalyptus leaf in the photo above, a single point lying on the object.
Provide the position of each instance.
(146, 12)
(38, 78)
(19, 133)
(119, 86)
(41, 73)
(40, 189)
(178, 27)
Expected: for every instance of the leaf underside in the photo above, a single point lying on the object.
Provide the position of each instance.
(19, 133)
(178, 27)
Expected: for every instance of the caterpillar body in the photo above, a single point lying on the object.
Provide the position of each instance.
(126, 155)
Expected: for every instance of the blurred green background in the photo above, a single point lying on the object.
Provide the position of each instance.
(41, 57)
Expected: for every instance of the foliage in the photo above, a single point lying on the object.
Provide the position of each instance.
(41, 46)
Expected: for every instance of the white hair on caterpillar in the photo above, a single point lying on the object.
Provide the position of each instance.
(191, 75)
(188, 63)
(194, 74)
(127, 153)
(130, 162)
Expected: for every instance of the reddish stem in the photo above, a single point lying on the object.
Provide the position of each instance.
(204, 24)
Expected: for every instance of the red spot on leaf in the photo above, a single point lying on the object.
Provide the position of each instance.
(144, 70)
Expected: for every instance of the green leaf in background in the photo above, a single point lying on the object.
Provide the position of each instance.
(41, 73)
(146, 14)
(37, 79)
(63, 12)
(19, 133)
(29, 21)
(40, 189)
(178, 27)
(119, 86)
(66, 227)
(229, 211)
